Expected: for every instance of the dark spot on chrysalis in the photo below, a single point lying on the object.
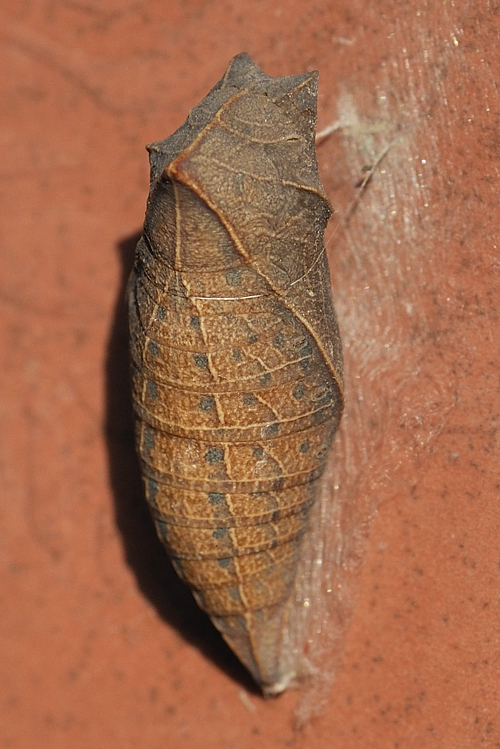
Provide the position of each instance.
(219, 533)
(215, 498)
(214, 455)
(152, 490)
(298, 391)
(249, 399)
(153, 347)
(195, 322)
(304, 446)
(161, 529)
(234, 593)
(201, 361)
(207, 403)
(233, 277)
(279, 340)
(177, 565)
(149, 438)
(152, 389)
(271, 430)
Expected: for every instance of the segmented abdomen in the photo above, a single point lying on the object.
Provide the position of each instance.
(235, 412)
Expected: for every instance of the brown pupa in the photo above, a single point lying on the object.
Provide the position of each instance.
(236, 355)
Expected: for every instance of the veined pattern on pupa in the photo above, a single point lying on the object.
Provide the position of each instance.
(236, 357)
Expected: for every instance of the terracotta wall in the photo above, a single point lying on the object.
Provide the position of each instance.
(100, 645)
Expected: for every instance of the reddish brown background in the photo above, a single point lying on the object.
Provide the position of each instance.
(100, 646)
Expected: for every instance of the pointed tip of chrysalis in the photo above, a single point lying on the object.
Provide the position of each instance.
(243, 71)
(257, 639)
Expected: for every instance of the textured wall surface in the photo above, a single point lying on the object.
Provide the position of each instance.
(100, 645)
